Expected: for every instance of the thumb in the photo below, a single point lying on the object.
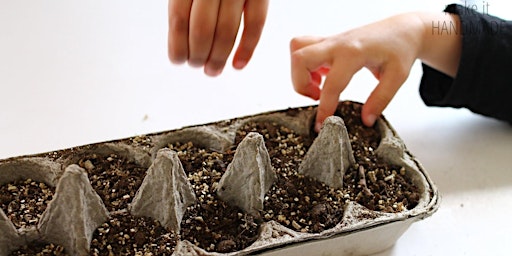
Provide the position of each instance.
(309, 58)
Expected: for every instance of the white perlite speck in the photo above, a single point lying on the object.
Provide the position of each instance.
(165, 192)
(330, 155)
(249, 176)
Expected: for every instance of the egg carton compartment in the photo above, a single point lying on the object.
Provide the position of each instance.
(263, 184)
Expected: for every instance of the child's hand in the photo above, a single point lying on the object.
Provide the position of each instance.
(203, 32)
(387, 48)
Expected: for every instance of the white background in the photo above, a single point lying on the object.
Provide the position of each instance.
(77, 72)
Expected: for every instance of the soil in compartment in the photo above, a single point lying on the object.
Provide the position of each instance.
(115, 178)
(211, 223)
(295, 201)
(298, 202)
(25, 201)
(141, 141)
(39, 249)
(374, 183)
(306, 205)
(124, 234)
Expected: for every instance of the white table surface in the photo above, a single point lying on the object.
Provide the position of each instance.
(78, 72)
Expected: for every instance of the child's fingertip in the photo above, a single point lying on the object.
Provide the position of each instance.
(239, 64)
(212, 72)
(318, 126)
(370, 120)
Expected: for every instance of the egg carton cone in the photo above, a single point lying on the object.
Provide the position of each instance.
(330, 155)
(249, 176)
(69, 219)
(166, 192)
(74, 213)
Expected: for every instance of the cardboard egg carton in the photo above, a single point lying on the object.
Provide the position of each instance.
(76, 210)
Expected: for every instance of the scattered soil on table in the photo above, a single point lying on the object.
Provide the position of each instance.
(115, 179)
(25, 201)
(211, 223)
(124, 234)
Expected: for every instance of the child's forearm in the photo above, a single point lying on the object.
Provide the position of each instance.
(442, 41)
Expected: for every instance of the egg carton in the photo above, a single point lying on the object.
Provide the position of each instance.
(76, 210)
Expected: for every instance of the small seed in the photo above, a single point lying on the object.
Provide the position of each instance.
(88, 165)
(390, 177)
(296, 225)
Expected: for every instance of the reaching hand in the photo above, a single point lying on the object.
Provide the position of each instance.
(203, 32)
(387, 48)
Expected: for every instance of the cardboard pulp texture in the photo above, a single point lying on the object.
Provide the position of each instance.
(76, 210)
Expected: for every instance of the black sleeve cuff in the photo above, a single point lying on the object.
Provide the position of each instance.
(483, 83)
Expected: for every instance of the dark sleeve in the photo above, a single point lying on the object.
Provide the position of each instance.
(483, 83)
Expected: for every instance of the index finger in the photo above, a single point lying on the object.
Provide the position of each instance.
(336, 81)
(179, 15)
(255, 14)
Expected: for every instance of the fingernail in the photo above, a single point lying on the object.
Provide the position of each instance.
(318, 126)
(371, 120)
(239, 64)
(211, 71)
